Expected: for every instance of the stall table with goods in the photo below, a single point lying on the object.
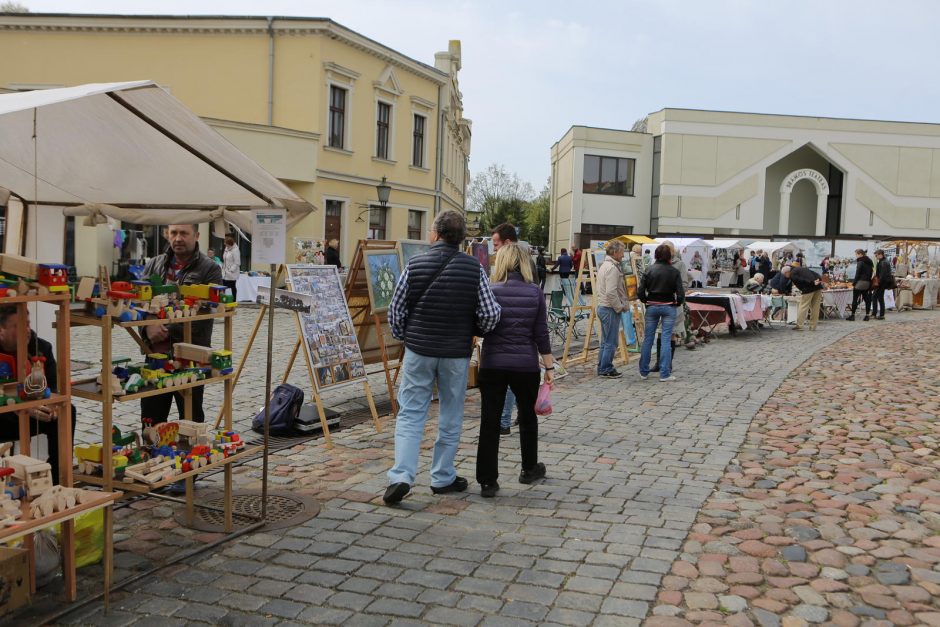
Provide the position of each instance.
(738, 309)
(924, 292)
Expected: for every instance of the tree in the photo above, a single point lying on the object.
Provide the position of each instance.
(537, 218)
(13, 7)
(492, 193)
(640, 125)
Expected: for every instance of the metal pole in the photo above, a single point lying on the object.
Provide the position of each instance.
(267, 397)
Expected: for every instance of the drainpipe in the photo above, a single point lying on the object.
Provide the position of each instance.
(439, 175)
(270, 71)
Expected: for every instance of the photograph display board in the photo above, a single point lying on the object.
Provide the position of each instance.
(329, 334)
(383, 268)
(409, 248)
(309, 251)
(481, 252)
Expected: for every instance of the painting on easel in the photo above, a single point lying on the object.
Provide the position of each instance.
(328, 330)
(481, 252)
(383, 268)
(409, 248)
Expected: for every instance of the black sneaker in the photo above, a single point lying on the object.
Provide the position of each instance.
(532, 475)
(459, 485)
(865, 319)
(395, 493)
(613, 374)
(879, 317)
(489, 490)
(505, 431)
(852, 317)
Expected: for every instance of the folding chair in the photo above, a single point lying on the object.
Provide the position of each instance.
(704, 319)
(558, 315)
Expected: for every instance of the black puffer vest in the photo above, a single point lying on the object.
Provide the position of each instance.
(441, 322)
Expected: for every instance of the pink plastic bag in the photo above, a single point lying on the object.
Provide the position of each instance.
(543, 402)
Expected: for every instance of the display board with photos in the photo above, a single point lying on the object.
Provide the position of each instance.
(329, 334)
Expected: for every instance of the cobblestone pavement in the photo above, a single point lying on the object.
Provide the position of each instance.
(830, 512)
(630, 465)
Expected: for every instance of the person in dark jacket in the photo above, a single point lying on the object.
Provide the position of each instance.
(182, 264)
(332, 254)
(563, 264)
(40, 422)
(661, 289)
(540, 266)
(442, 300)
(861, 284)
(510, 360)
(885, 282)
(781, 285)
(810, 285)
(764, 266)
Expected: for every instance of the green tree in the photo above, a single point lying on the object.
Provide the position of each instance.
(536, 219)
(13, 7)
(496, 193)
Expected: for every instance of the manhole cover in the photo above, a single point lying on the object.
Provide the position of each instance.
(284, 511)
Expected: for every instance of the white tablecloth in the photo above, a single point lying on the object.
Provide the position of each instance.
(247, 287)
(930, 287)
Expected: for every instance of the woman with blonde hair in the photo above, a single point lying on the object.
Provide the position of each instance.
(510, 360)
(332, 254)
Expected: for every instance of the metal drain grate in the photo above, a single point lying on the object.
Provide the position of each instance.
(284, 510)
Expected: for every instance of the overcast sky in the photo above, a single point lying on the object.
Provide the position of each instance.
(533, 68)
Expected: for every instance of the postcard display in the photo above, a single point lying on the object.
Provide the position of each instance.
(370, 284)
(331, 349)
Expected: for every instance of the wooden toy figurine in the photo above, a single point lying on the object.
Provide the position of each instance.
(35, 386)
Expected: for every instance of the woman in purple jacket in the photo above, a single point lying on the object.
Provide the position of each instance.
(511, 360)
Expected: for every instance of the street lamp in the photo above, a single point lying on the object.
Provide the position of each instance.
(383, 190)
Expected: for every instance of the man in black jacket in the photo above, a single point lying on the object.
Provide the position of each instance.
(810, 285)
(182, 264)
(39, 422)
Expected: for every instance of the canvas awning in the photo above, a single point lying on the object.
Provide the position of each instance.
(629, 240)
(124, 149)
(773, 248)
(727, 244)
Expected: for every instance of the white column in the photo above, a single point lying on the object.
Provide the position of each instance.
(821, 210)
(784, 222)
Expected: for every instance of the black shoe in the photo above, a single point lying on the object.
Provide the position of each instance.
(395, 493)
(459, 485)
(852, 317)
(505, 431)
(613, 374)
(865, 319)
(533, 475)
(655, 368)
(489, 490)
(879, 317)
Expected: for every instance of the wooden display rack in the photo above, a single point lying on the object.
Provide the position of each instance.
(587, 263)
(372, 329)
(26, 525)
(89, 389)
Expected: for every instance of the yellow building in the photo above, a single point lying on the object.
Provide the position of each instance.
(325, 109)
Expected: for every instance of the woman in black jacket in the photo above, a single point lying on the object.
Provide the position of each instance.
(861, 284)
(885, 282)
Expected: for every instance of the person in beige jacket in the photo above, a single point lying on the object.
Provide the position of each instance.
(611, 292)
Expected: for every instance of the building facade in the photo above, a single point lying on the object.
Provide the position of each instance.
(746, 174)
(325, 109)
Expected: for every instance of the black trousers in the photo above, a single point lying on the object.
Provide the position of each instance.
(493, 385)
(231, 285)
(864, 295)
(157, 408)
(10, 432)
(878, 300)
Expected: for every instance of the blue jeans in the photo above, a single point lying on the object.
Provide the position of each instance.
(655, 314)
(610, 335)
(414, 398)
(505, 419)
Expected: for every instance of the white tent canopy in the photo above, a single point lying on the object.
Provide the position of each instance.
(773, 248)
(726, 244)
(693, 251)
(111, 148)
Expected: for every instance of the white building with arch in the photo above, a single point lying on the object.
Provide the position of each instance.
(746, 175)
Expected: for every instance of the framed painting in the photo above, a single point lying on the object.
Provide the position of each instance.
(481, 251)
(409, 248)
(383, 268)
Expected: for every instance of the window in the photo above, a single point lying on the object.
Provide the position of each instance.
(337, 117)
(608, 175)
(415, 224)
(377, 220)
(382, 120)
(417, 147)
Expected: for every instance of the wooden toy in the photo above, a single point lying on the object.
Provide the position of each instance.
(157, 286)
(192, 434)
(193, 352)
(16, 265)
(114, 382)
(58, 499)
(221, 362)
(10, 485)
(35, 387)
(119, 439)
(7, 368)
(142, 289)
(35, 475)
(156, 469)
(54, 276)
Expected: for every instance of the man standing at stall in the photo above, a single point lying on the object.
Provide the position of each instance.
(182, 264)
(611, 302)
(810, 285)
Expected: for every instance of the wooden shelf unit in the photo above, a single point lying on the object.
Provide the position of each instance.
(89, 389)
(61, 399)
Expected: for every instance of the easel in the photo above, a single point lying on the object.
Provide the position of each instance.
(587, 263)
(368, 323)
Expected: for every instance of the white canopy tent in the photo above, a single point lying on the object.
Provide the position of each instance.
(693, 251)
(122, 150)
(726, 244)
(773, 248)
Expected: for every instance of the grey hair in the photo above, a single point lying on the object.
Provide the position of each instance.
(759, 277)
(786, 269)
(451, 227)
(614, 246)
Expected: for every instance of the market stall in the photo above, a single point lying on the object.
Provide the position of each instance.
(696, 253)
(723, 272)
